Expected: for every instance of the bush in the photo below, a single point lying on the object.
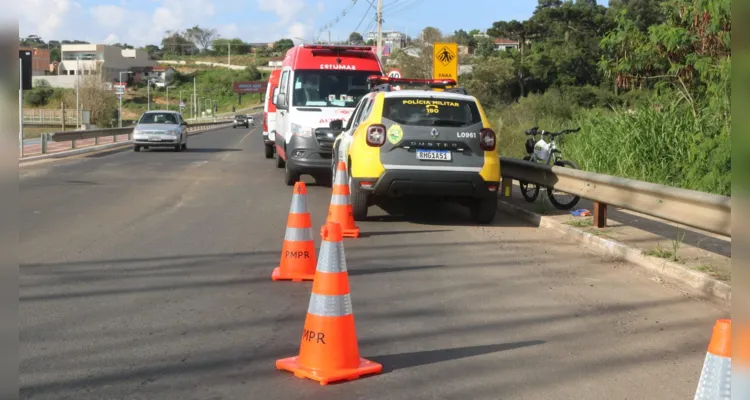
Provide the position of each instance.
(40, 94)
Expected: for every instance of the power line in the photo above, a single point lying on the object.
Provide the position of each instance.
(328, 25)
(367, 11)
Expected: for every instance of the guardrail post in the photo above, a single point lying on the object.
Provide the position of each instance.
(506, 187)
(73, 144)
(44, 142)
(114, 138)
(600, 214)
(96, 140)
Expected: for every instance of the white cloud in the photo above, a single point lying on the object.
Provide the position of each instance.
(43, 17)
(298, 30)
(111, 39)
(228, 30)
(285, 10)
(108, 16)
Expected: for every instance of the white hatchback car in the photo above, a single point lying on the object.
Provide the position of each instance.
(160, 129)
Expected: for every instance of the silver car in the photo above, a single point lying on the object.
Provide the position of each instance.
(160, 129)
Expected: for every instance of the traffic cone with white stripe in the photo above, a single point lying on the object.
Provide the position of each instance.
(298, 252)
(340, 210)
(716, 378)
(329, 351)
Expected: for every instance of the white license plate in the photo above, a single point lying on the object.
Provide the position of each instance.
(433, 155)
(155, 138)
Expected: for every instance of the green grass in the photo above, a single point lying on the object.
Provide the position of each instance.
(656, 140)
(713, 272)
(581, 223)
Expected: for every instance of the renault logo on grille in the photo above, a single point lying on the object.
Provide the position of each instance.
(434, 133)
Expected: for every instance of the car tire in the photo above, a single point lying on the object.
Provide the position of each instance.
(279, 161)
(290, 177)
(178, 148)
(136, 148)
(360, 201)
(483, 211)
(184, 146)
(269, 151)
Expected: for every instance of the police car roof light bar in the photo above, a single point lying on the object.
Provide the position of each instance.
(376, 80)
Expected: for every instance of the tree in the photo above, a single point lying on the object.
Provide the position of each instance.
(202, 38)
(485, 47)
(222, 46)
(96, 98)
(32, 41)
(415, 62)
(431, 35)
(123, 45)
(464, 38)
(153, 51)
(282, 45)
(490, 81)
(175, 43)
(356, 38)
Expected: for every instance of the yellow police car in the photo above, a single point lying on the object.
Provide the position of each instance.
(419, 142)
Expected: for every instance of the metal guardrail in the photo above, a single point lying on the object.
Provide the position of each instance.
(705, 211)
(74, 136)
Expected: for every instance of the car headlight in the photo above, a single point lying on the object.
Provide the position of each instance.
(173, 133)
(301, 131)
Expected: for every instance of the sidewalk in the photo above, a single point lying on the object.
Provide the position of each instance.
(701, 251)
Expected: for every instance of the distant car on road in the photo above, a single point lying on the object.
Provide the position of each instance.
(241, 120)
(250, 119)
(160, 129)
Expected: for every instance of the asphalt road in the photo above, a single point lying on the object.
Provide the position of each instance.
(147, 276)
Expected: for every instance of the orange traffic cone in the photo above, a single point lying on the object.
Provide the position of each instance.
(329, 351)
(340, 210)
(298, 253)
(716, 377)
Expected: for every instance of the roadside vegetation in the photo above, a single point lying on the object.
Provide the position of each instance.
(648, 81)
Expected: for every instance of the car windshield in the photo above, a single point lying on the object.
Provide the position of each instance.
(323, 88)
(431, 111)
(240, 117)
(158, 118)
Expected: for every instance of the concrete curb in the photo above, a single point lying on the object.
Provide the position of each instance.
(673, 273)
(93, 149)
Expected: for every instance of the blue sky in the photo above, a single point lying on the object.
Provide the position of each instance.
(141, 22)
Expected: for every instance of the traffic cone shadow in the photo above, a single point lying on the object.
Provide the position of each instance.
(298, 252)
(329, 351)
(340, 210)
(716, 376)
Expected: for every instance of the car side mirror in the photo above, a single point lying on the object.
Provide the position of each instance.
(281, 101)
(336, 124)
(184, 123)
(275, 100)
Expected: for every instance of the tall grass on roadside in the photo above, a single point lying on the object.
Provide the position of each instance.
(549, 111)
(673, 146)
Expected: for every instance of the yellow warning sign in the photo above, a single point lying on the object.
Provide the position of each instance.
(445, 61)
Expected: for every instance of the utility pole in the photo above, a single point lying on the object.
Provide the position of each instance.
(229, 53)
(78, 84)
(329, 37)
(379, 19)
(20, 105)
(195, 98)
